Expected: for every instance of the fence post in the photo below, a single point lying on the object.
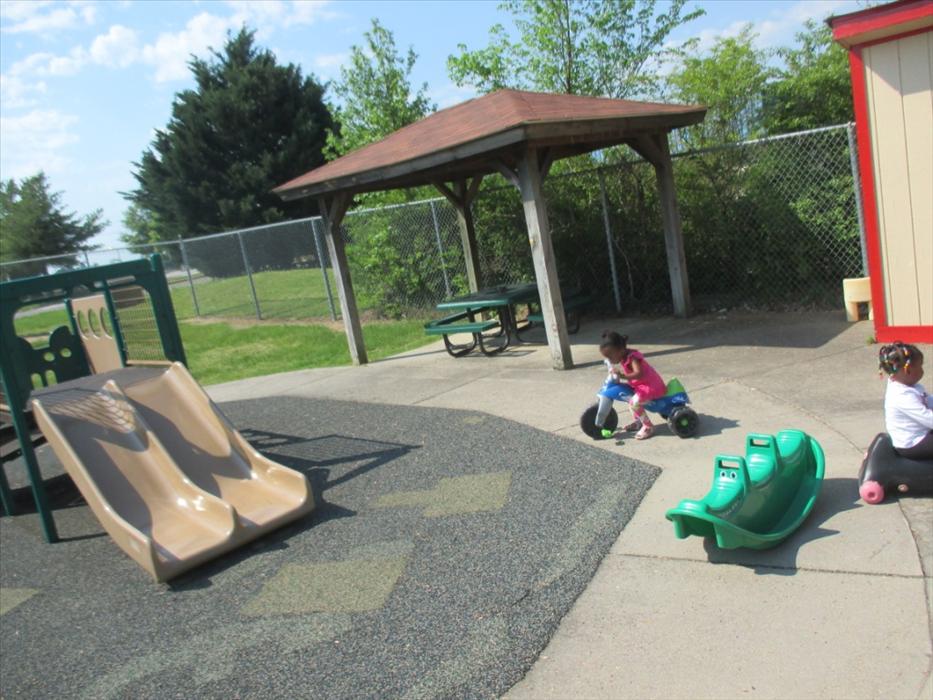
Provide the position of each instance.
(87, 260)
(610, 250)
(320, 257)
(249, 276)
(184, 261)
(440, 248)
(857, 186)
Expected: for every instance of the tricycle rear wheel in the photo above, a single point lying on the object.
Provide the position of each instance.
(684, 422)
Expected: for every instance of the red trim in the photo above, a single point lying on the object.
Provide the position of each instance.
(894, 37)
(867, 176)
(851, 25)
(909, 334)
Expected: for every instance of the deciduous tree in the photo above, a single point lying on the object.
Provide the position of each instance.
(813, 88)
(612, 48)
(375, 93)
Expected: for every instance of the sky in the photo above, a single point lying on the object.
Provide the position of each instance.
(85, 84)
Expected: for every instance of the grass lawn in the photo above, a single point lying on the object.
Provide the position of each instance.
(219, 352)
(285, 294)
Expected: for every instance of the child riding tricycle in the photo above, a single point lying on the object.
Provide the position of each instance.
(632, 379)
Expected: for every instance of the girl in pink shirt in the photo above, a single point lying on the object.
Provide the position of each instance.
(630, 365)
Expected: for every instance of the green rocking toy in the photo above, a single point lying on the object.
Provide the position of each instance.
(758, 500)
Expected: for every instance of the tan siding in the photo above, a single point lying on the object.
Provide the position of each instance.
(916, 54)
(900, 90)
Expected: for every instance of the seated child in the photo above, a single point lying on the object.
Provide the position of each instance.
(908, 408)
(629, 364)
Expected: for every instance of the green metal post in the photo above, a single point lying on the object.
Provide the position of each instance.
(115, 323)
(35, 478)
(165, 312)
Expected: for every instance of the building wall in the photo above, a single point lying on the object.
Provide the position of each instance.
(899, 87)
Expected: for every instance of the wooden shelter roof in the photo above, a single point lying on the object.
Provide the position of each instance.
(474, 137)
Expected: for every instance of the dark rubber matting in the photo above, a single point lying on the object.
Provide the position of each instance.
(445, 549)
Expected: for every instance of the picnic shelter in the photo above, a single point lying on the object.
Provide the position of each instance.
(518, 134)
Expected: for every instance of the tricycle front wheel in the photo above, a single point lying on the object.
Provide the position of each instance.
(588, 422)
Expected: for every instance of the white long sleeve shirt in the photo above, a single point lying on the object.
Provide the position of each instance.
(908, 413)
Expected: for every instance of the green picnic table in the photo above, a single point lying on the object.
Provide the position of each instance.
(500, 300)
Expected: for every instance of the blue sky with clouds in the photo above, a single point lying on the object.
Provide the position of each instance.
(84, 84)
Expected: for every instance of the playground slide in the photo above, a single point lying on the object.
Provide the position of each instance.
(169, 478)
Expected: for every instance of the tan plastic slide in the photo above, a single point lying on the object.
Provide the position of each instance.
(167, 475)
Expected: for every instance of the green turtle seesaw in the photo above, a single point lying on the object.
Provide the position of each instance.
(758, 500)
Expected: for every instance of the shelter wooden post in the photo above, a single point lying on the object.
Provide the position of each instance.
(531, 171)
(333, 210)
(655, 149)
(461, 196)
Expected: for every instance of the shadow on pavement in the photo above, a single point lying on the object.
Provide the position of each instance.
(365, 454)
(810, 329)
(836, 496)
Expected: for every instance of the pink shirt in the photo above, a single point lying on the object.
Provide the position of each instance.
(649, 385)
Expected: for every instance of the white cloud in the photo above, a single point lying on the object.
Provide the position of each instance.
(171, 52)
(16, 93)
(451, 94)
(264, 15)
(309, 11)
(35, 141)
(783, 24)
(328, 65)
(69, 64)
(119, 47)
(44, 17)
(45, 64)
(20, 10)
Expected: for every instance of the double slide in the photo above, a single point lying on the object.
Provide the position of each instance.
(167, 475)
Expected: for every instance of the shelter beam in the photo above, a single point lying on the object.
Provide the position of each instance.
(542, 252)
(461, 196)
(333, 210)
(673, 232)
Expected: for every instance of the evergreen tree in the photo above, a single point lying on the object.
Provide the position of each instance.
(142, 226)
(248, 126)
(33, 223)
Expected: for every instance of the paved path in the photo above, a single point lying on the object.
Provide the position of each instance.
(841, 610)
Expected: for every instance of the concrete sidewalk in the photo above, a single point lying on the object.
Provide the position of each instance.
(840, 610)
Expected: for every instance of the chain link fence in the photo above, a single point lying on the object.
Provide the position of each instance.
(772, 223)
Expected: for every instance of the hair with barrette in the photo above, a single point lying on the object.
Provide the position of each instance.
(897, 356)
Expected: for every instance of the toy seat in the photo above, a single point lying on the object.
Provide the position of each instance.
(856, 290)
(675, 387)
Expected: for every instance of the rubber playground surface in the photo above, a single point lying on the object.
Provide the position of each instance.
(444, 550)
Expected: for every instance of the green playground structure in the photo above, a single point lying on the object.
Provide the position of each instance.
(134, 316)
(758, 500)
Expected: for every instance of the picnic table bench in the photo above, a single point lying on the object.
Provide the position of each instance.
(449, 325)
(500, 301)
(575, 304)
